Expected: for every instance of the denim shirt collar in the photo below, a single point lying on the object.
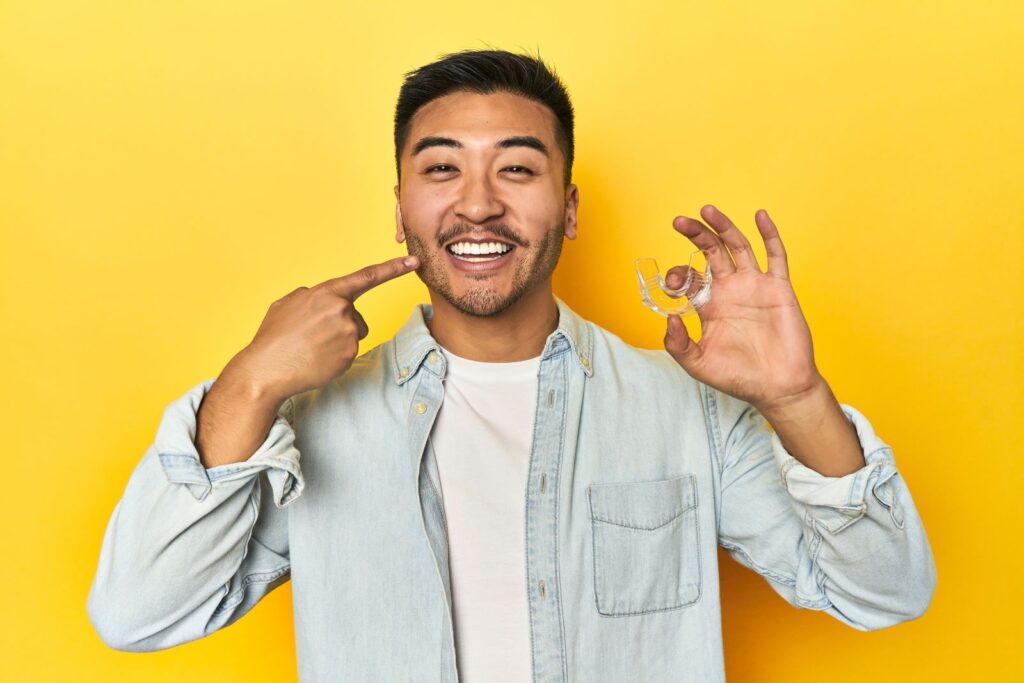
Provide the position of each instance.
(413, 343)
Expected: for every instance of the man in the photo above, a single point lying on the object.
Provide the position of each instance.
(505, 491)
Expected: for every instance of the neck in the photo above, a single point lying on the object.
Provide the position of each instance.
(517, 333)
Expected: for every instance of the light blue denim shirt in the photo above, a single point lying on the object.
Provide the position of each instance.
(637, 472)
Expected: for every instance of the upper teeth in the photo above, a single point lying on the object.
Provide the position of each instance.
(477, 248)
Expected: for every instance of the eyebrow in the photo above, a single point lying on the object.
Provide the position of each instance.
(516, 141)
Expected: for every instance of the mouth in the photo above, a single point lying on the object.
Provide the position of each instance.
(475, 257)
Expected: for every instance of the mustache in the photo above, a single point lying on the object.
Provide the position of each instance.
(501, 230)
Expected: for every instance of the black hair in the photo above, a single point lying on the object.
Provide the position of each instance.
(486, 72)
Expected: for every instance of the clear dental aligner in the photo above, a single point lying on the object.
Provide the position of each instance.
(660, 298)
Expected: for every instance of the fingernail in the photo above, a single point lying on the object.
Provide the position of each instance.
(411, 261)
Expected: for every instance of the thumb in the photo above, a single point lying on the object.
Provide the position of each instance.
(679, 345)
(364, 329)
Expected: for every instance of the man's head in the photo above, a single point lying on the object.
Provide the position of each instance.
(484, 148)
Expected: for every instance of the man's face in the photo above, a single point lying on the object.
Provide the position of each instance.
(478, 170)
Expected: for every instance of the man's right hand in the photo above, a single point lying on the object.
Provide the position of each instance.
(311, 335)
(308, 337)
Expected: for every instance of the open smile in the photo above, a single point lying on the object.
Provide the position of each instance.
(489, 256)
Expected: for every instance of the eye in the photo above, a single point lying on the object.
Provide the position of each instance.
(520, 170)
(444, 168)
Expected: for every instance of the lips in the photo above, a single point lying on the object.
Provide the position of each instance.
(480, 266)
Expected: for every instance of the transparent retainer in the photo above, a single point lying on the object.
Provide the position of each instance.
(694, 292)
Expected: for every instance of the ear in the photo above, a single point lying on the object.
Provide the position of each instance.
(399, 232)
(572, 202)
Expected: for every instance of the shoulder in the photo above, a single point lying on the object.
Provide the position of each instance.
(619, 357)
(621, 352)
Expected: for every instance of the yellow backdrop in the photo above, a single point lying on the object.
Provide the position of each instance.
(169, 169)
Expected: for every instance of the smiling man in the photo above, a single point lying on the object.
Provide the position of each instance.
(484, 203)
(505, 491)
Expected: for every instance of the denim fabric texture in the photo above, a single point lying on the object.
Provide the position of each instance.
(637, 472)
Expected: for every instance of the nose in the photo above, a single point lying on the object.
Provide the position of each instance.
(477, 202)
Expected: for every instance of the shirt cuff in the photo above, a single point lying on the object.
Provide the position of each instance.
(834, 503)
(175, 445)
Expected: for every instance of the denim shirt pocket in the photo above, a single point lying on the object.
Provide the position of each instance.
(645, 544)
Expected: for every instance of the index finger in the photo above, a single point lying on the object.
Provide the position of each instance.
(357, 283)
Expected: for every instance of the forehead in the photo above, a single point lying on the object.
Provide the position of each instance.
(466, 116)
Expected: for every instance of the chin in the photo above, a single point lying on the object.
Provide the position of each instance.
(482, 304)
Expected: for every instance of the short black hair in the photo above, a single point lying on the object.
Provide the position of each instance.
(485, 72)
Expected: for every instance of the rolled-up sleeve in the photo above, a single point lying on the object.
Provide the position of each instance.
(189, 550)
(833, 503)
(852, 546)
(277, 455)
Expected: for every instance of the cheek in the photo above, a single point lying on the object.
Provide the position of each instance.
(541, 209)
(421, 204)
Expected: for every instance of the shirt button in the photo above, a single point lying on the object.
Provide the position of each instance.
(404, 372)
(432, 358)
(542, 589)
(585, 361)
(421, 408)
(551, 398)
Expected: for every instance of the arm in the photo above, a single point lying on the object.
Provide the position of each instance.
(193, 544)
(814, 429)
(852, 546)
(189, 550)
(234, 416)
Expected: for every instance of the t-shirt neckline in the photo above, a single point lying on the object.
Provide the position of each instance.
(465, 367)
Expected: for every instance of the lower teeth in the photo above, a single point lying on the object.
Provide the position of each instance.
(478, 259)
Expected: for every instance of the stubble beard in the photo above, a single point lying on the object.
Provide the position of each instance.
(485, 300)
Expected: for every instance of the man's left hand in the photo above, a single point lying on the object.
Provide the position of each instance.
(755, 343)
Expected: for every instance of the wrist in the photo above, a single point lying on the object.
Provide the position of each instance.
(245, 382)
(816, 399)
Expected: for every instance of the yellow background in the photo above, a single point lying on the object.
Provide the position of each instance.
(168, 169)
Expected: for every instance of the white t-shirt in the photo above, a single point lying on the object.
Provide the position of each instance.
(482, 439)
